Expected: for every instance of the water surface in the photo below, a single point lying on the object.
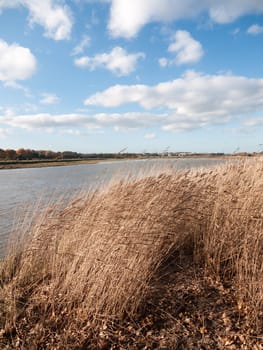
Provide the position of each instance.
(22, 189)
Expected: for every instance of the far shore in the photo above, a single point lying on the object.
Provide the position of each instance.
(51, 163)
(17, 164)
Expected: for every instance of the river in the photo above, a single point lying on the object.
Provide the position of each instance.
(21, 190)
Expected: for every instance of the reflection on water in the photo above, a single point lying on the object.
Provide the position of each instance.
(21, 189)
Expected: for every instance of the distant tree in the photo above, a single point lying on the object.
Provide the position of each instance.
(29, 154)
(70, 155)
(24, 154)
(41, 154)
(35, 154)
(50, 155)
(2, 154)
(11, 154)
(59, 155)
(21, 153)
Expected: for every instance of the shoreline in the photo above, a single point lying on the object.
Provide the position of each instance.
(16, 164)
(51, 163)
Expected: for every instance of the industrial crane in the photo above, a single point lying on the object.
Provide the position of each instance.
(165, 151)
(122, 150)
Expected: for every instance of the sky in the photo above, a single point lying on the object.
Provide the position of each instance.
(103, 75)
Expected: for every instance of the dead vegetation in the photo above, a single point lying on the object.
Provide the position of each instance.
(172, 261)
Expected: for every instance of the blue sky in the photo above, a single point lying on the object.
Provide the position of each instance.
(98, 76)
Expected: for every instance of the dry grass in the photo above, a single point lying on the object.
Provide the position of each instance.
(81, 276)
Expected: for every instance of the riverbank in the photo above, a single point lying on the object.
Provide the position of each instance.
(166, 261)
(17, 164)
(51, 163)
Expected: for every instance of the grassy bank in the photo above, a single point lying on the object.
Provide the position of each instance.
(166, 261)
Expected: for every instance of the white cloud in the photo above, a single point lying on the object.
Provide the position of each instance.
(45, 120)
(131, 120)
(117, 95)
(187, 49)
(227, 11)
(117, 61)
(64, 122)
(118, 121)
(84, 43)
(194, 97)
(128, 17)
(255, 29)
(9, 4)
(90, 123)
(150, 136)
(49, 99)
(50, 14)
(163, 62)
(254, 122)
(14, 85)
(16, 63)
(7, 112)
(189, 102)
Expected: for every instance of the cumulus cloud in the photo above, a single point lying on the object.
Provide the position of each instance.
(84, 43)
(255, 29)
(117, 61)
(9, 4)
(128, 17)
(49, 99)
(185, 47)
(50, 14)
(118, 121)
(192, 101)
(195, 96)
(187, 124)
(87, 123)
(46, 121)
(16, 62)
(131, 120)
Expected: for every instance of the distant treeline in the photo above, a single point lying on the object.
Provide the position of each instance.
(29, 154)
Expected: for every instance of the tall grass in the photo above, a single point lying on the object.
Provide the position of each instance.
(92, 264)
